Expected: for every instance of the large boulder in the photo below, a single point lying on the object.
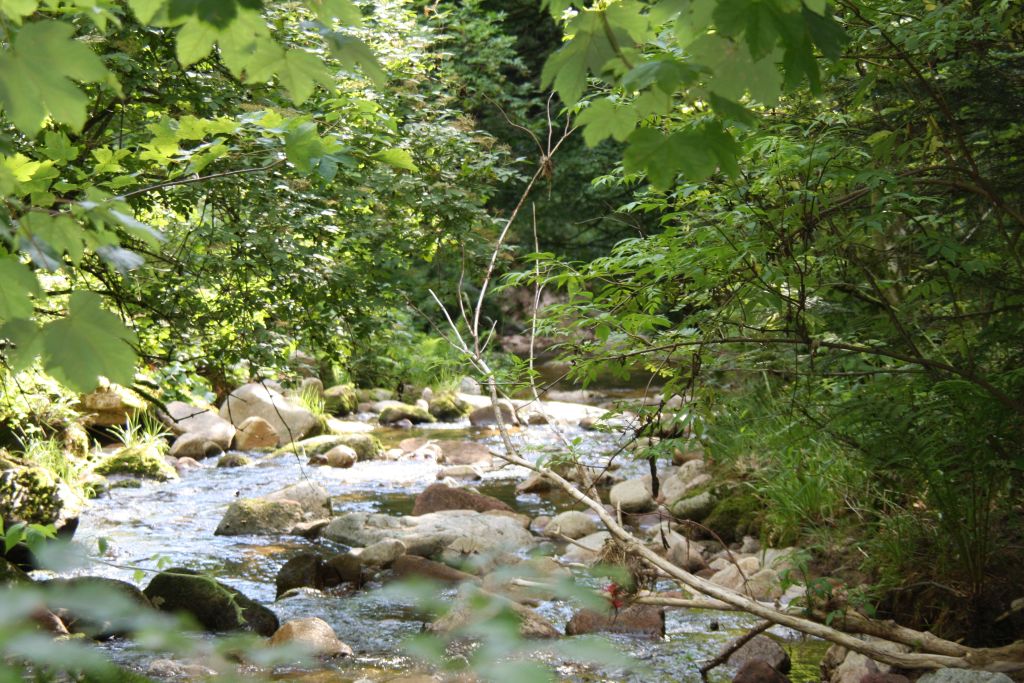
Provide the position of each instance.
(485, 416)
(257, 516)
(291, 422)
(309, 570)
(761, 648)
(644, 620)
(736, 516)
(65, 598)
(194, 445)
(314, 499)
(109, 405)
(413, 566)
(632, 495)
(313, 634)
(143, 460)
(438, 497)
(35, 496)
(571, 524)
(255, 432)
(695, 508)
(341, 399)
(182, 418)
(758, 671)
(429, 534)
(215, 606)
(448, 407)
(464, 453)
(395, 412)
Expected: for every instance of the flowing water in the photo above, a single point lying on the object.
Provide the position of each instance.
(173, 524)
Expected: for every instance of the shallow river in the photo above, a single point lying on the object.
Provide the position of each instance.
(176, 521)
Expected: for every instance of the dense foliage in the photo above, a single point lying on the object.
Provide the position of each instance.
(841, 301)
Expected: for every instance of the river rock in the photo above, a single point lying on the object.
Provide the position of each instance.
(438, 497)
(143, 460)
(840, 665)
(11, 574)
(168, 669)
(215, 606)
(632, 495)
(341, 456)
(571, 524)
(486, 416)
(950, 675)
(313, 634)
(465, 453)
(758, 671)
(394, 412)
(182, 418)
(290, 422)
(685, 553)
(539, 570)
(194, 445)
(382, 554)
(117, 596)
(258, 516)
(109, 405)
(313, 498)
(429, 534)
(736, 573)
(341, 399)
(643, 620)
(759, 648)
(35, 496)
(312, 386)
(344, 568)
(408, 566)
(255, 432)
(468, 612)
(695, 508)
(460, 472)
(448, 407)
(306, 570)
(764, 585)
(587, 549)
(233, 460)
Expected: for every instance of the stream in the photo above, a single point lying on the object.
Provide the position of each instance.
(176, 521)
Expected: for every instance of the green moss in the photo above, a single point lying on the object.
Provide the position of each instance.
(341, 399)
(373, 395)
(367, 446)
(30, 494)
(414, 414)
(141, 461)
(737, 516)
(233, 460)
(448, 407)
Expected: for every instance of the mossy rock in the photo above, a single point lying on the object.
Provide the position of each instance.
(448, 407)
(31, 495)
(140, 461)
(257, 516)
(233, 460)
(215, 606)
(737, 516)
(406, 411)
(341, 399)
(366, 446)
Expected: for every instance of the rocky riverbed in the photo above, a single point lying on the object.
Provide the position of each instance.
(312, 531)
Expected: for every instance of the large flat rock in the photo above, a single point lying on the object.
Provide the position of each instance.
(429, 534)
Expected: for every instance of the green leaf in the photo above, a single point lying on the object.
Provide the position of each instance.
(399, 158)
(648, 151)
(604, 118)
(19, 284)
(826, 33)
(301, 72)
(24, 335)
(195, 41)
(302, 145)
(817, 6)
(58, 146)
(355, 54)
(60, 232)
(146, 10)
(16, 10)
(88, 343)
(35, 76)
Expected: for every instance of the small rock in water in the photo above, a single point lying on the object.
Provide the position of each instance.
(460, 472)
(313, 633)
(169, 669)
(302, 571)
(233, 460)
(382, 553)
(259, 516)
(412, 565)
(255, 432)
(438, 497)
(341, 456)
(186, 464)
(404, 423)
(215, 606)
(571, 524)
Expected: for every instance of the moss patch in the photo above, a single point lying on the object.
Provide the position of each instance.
(140, 461)
(30, 494)
(737, 516)
(415, 414)
(366, 446)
